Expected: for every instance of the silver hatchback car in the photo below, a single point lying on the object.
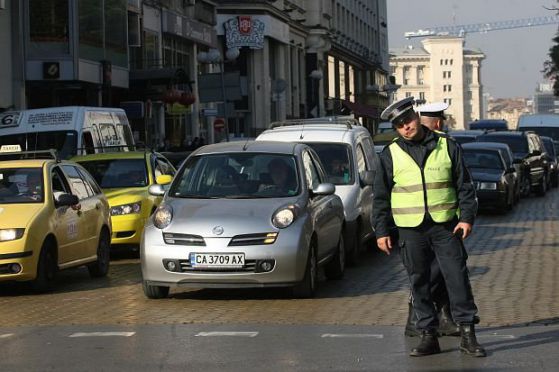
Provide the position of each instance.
(245, 214)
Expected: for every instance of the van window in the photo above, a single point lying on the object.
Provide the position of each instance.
(63, 141)
(108, 135)
(87, 143)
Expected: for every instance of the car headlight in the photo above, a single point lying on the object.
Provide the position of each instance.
(123, 209)
(284, 217)
(163, 216)
(10, 234)
(552, 166)
(488, 186)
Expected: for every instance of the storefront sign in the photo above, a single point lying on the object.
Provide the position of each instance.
(244, 31)
(190, 29)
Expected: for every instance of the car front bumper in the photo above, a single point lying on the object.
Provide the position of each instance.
(127, 229)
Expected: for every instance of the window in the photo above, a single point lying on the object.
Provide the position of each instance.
(49, 25)
(311, 174)
(451, 62)
(87, 143)
(446, 62)
(361, 162)
(90, 182)
(420, 75)
(161, 167)
(449, 74)
(59, 184)
(77, 185)
(408, 94)
(421, 95)
(441, 62)
(406, 75)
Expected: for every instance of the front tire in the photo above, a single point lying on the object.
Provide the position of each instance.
(336, 267)
(154, 291)
(308, 286)
(100, 267)
(46, 269)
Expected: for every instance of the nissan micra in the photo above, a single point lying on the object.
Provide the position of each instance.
(245, 214)
(53, 216)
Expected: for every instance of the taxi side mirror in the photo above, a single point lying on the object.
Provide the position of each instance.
(64, 200)
(164, 179)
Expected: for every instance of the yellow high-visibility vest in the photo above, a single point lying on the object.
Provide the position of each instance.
(417, 191)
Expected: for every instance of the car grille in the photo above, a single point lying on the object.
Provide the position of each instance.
(253, 239)
(250, 267)
(183, 239)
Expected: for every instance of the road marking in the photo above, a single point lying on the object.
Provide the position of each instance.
(352, 335)
(6, 335)
(236, 334)
(496, 336)
(102, 334)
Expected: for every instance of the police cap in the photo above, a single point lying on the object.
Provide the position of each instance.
(399, 111)
(433, 110)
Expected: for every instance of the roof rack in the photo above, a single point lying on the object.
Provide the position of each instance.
(348, 121)
(39, 154)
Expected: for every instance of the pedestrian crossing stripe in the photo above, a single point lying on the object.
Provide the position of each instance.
(217, 334)
(102, 334)
(352, 335)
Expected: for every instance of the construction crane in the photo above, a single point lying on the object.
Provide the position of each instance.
(462, 30)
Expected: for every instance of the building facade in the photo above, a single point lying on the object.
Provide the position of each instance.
(508, 109)
(545, 101)
(442, 70)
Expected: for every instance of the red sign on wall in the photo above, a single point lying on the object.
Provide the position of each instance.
(245, 25)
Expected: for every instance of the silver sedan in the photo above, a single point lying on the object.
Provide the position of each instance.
(252, 214)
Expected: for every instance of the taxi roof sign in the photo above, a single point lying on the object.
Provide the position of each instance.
(10, 148)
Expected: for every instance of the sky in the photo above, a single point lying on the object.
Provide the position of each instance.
(514, 58)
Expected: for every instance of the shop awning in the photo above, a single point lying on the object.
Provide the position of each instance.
(360, 109)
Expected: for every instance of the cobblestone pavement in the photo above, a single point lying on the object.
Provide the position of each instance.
(513, 263)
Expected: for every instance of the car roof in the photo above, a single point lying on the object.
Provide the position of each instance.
(477, 148)
(467, 132)
(504, 134)
(278, 147)
(111, 155)
(314, 132)
(485, 145)
(24, 163)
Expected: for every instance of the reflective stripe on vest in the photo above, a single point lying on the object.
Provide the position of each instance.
(412, 187)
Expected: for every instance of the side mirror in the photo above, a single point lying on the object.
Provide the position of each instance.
(156, 190)
(164, 179)
(367, 177)
(66, 200)
(324, 189)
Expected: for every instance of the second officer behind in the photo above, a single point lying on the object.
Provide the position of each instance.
(424, 185)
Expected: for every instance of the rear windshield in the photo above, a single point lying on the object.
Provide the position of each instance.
(482, 159)
(518, 145)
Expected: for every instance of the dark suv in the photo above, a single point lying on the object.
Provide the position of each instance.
(529, 153)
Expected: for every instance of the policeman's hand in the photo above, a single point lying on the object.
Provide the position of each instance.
(463, 229)
(384, 244)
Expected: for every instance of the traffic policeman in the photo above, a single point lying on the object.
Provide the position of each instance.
(432, 116)
(424, 185)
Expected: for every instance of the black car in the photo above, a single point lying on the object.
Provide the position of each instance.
(494, 180)
(528, 152)
(489, 124)
(466, 136)
(552, 160)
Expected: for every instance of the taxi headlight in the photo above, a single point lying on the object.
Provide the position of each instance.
(123, 209)
(163, 216)
(10, 234)
(488, 186)
(284, 217)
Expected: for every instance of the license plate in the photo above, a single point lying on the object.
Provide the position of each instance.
(225, 260)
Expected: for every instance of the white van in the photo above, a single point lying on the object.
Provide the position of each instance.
(541, 124)
(71, 130)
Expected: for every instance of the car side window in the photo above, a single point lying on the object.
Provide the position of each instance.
(90, 182)
(165, 166)
(311, 174)
(361, 161)
(77, 185)
(58, 182)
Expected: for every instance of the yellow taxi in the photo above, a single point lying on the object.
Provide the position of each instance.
(53, 215)
(125, 178)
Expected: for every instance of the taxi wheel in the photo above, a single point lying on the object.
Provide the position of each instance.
(307, 287)
(46, 269)
(335, 269)
(154, 291)
(100, 267)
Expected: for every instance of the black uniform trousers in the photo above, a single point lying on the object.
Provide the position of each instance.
(419, 246)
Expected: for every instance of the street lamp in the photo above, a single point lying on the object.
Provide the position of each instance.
(316, 76)
(213, 56)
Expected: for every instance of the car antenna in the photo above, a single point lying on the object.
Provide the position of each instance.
(302, 129)
(245, 146)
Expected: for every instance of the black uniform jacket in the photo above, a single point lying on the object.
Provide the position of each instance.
(419, 151)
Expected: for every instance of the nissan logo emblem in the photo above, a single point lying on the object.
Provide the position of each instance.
(218, 230)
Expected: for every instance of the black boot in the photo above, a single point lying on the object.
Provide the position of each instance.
(468, 341)
(447, 327)
(411, 331)
(428, 345)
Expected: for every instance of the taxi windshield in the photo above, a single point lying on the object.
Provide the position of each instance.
(21, 185)
(118, 173)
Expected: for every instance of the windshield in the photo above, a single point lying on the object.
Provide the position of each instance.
(552, 132)
(237, 176)
(21, 185)
(336, 159)
(64, 141)
(518, 145)
(118, 173)
(483, 159)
